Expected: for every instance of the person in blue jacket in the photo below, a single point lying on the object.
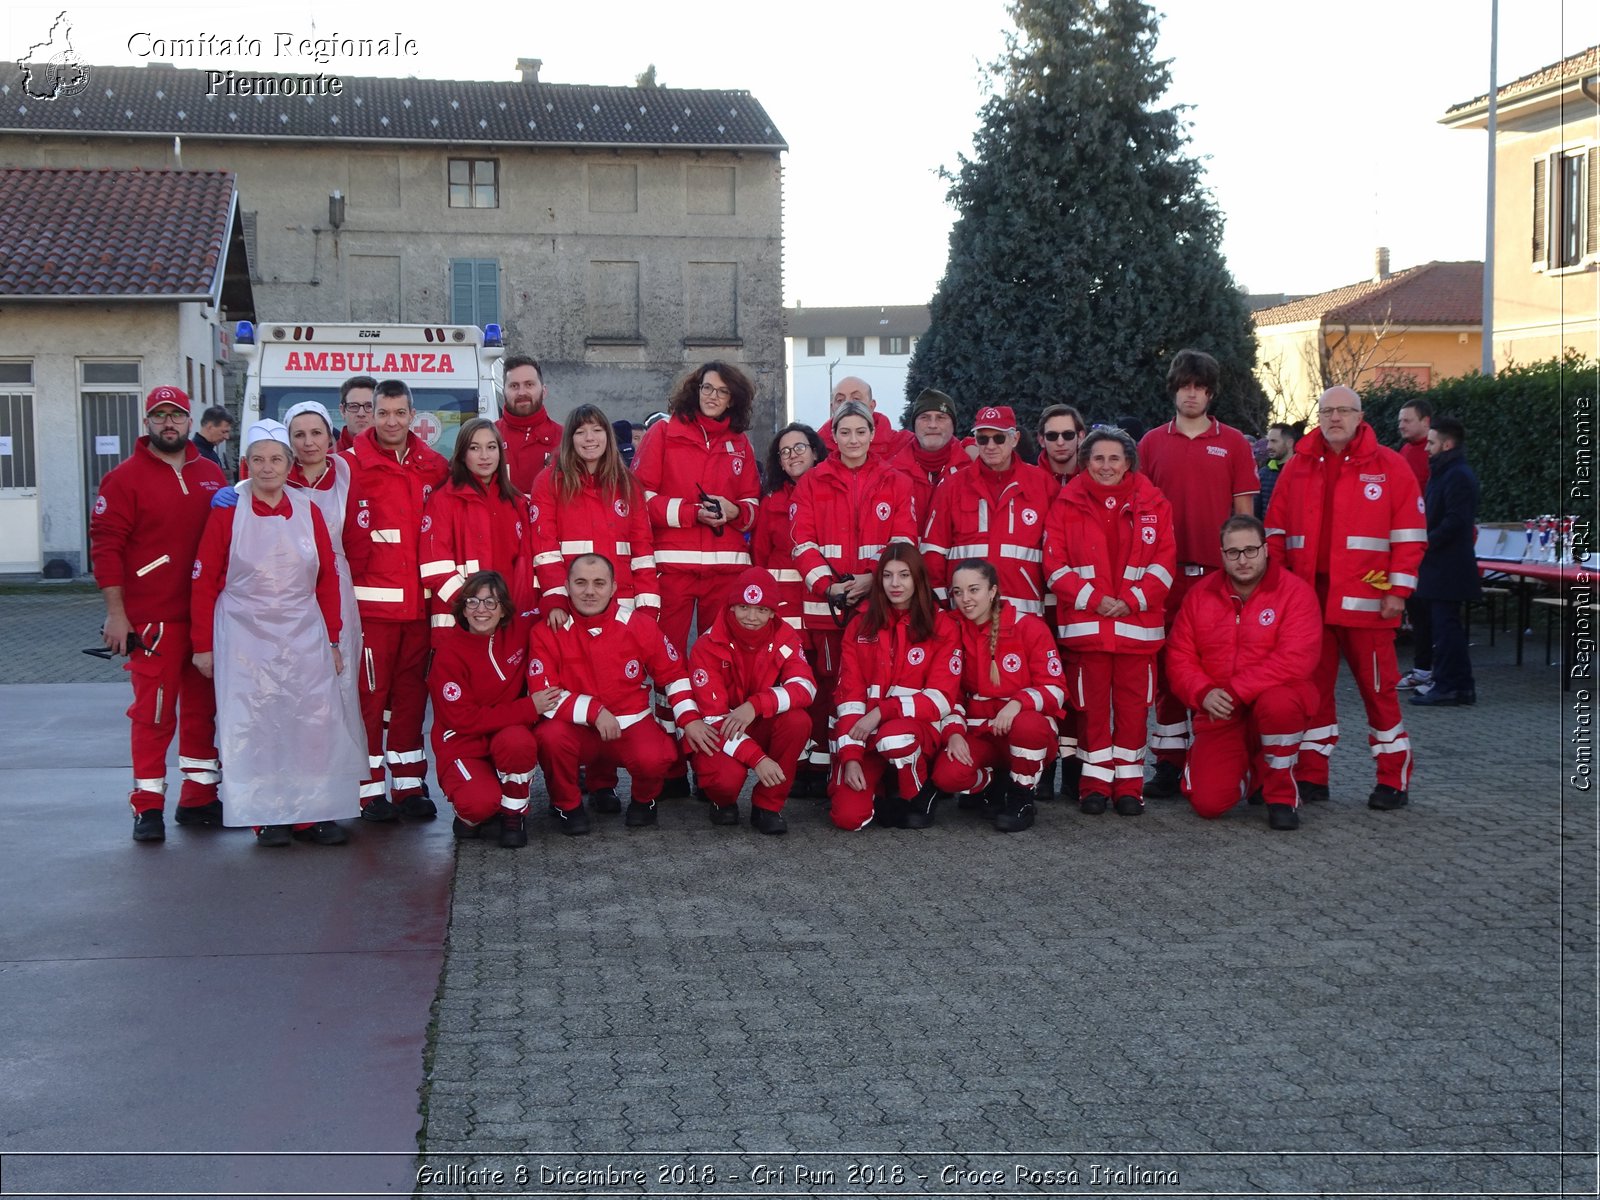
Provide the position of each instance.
(1449, 573)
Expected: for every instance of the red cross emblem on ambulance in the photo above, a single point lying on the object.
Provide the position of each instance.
(425, 427)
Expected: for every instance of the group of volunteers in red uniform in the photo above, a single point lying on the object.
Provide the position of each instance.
(880, 618)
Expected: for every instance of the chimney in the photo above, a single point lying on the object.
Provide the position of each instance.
(1380, 264)
(529, 69)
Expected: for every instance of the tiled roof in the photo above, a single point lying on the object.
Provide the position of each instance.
(885, 319)
(1585, 62)
(113, 233)
(1436, 293)
(163, 101)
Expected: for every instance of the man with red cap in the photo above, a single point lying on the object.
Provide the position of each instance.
(531, 437)
(145, 529)
(1241, 655)
(602, 662)
(1346, 517)
(1207, 471)
(751, 683)
(993, 510)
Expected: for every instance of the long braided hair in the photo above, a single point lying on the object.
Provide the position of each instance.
(992, 578)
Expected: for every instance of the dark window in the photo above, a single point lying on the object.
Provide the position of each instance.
(816, 347)
(1567, 219)
(855, 345)
(474, 291)
(894, 345)
(474, 183)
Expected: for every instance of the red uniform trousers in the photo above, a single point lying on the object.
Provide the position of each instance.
(1113, 734)
(681, 591)
(394, 700)
(644, 750)
(489, 774)
(824, 652)
(1370, 653)
(898, 743)
(1025, 750)
(1257, 748)
(171, 696)
(1172, 733)
(783, 737)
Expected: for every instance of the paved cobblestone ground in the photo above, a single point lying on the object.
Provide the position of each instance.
(1382, 1003)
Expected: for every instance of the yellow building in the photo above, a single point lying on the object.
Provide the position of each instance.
(1423, 324)
(1547, 209)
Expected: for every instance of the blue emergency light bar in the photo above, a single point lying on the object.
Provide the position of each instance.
(245, 334)
(492, 336)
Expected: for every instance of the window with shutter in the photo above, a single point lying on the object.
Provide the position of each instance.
(474, 291)
(1591, 235)
(1566, 223)
(1539, 214)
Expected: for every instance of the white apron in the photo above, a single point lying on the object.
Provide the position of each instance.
(332, 503)
(287, 754)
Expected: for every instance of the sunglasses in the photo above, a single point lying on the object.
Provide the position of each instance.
(1061, 435)
(990, 439)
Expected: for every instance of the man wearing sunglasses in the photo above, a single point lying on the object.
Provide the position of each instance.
(1208, 471)
(993, 510)
(1061, 428)
(1241, 655)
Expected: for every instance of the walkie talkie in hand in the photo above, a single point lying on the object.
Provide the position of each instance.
(707, 502)
(134, 644)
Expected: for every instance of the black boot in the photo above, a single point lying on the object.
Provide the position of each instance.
(889, 812)
(1016, 813)
(1071, 774)
(919, 809)
(1046, 790)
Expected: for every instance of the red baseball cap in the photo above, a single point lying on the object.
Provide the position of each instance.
(165, 395)
(992, 417)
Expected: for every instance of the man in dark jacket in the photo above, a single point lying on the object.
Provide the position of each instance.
(1449, 573)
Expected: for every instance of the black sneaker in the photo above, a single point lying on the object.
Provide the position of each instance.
(200, 814)
(675, 787)
(920, 808)
(1282, 816)
(513, 830)
(1129, 806)
(767, 820)
(1071, 777)
(149, 826)
(274, 835)
(725, 814)
(1047, 782)
(379, 809)
(417, 807)
(1092, 803)
(323, 833)
(1255, 798)
(808, 785)
(1312, 793)
(1164, 784)
(1016, 809)
(639, 815)
(889, 812)
(605, 800)
(574, 821)
(1385, 798)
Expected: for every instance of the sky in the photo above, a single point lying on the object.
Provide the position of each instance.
(1317, 124)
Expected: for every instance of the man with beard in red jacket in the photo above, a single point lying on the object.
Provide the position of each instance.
(1241, 655)
(530, 435)
(603, 662)
(392, 472)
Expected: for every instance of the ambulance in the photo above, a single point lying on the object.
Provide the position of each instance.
(452, 370)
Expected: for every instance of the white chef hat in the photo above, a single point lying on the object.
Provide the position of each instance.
(266, 431)
(308, 406)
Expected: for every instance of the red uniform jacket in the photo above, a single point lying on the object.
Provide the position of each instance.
(773, 679)
(479, 687)
(1082, 571)
(905, 679)
(1379, 533)
(772, 547)
(674, 456)
(468, 529)
(926, 472)
(1416, 456)
(210, 572)
(1030, 669)
(886, 439)
(1000, 517)
(146, 527)
(1244, 646)
(843, 520)
(607, 662)
(531, 443)
(383, 525)
(590, 523)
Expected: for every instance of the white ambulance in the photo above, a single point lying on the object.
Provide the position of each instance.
(452, 370)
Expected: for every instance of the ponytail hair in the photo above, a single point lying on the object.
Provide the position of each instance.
(992, 578)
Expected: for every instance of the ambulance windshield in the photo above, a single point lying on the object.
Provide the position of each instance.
(440, 411)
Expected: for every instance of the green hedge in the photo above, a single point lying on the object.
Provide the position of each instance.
(1526, 430)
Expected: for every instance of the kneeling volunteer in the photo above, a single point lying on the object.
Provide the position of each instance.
(1241, 655)
(483, 740)
(602, 663)
(899, 681)
(752, 684)
(1012, 697)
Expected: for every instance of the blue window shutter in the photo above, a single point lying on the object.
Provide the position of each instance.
(461, 291)
(488, 289)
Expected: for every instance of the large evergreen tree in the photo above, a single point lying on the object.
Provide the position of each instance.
(1087, 251)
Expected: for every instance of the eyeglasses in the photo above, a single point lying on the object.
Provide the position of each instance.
(480, 602)
(166, 418)
(1061, 435)
(798, 450)
(721, 393)
(356, 408)
(1234, 554)
(1337, 412)
(990, 439)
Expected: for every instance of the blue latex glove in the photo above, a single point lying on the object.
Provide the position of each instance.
(226, 497)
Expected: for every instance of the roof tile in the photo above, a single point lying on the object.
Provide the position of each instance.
(1436, 293)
